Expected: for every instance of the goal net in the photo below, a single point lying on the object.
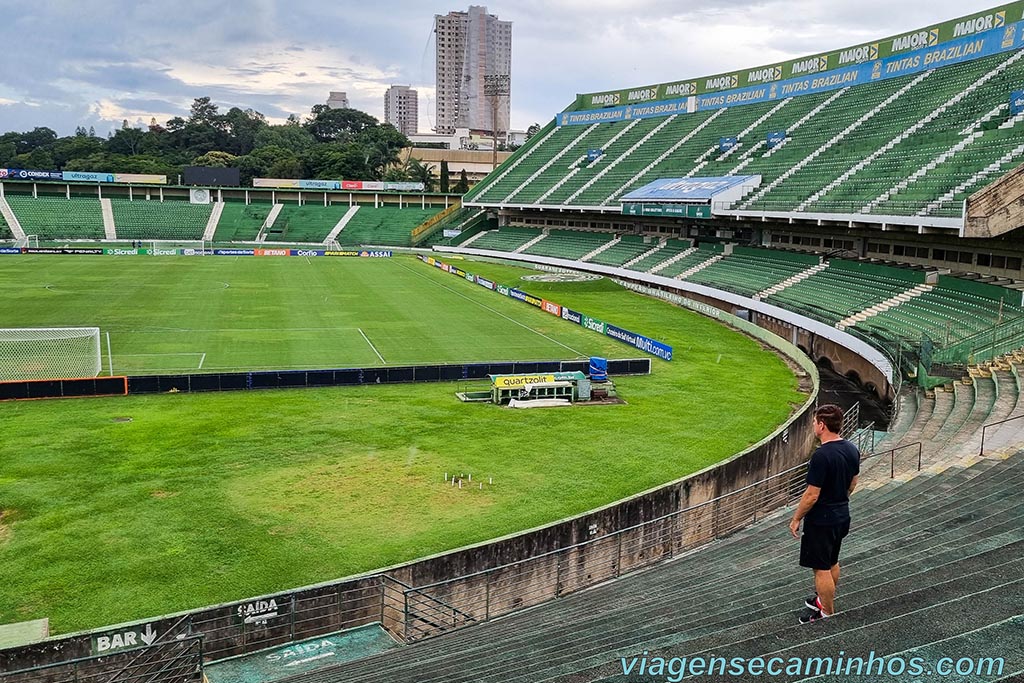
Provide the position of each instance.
(49, 353)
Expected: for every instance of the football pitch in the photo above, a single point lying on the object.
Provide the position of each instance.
(179, 314)
(114, 509)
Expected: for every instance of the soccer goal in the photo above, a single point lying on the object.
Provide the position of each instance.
(49, 353)
(188, 247)
(27, 241)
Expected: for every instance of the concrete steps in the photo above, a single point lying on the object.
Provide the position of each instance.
(668, 262)
(929, 560)
(891, 302)
(600, 249)
(529, 244)
(656, 248)
(211, 223)
(699, 267)
(790, 281)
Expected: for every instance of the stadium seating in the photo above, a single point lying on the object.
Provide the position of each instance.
(306, 223)
(241, 222)
(506, 239)
(156, 220)
(749, 271)
(569, 244)
(468, 221)
(5, 230)
(912, 145)
(384, 226)
(57, 217)
(626, 249)
(668, 249)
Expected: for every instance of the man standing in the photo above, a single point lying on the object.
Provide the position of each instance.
(825, 509)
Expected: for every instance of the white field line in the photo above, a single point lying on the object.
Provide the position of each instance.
(201, 361)
(372, 346)
(486, 307)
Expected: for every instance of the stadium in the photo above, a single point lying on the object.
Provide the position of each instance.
(284, 460)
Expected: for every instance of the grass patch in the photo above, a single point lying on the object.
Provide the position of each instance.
(205, 498)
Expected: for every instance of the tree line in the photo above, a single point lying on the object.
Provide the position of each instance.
(329, 144)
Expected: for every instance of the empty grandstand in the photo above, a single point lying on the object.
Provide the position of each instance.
(872, 188)
(884, 129)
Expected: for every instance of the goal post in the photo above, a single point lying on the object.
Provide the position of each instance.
(49, 353)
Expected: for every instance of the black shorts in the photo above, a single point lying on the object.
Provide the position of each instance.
(819, 546)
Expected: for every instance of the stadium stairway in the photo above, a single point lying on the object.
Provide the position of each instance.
(933, 567)
(13, 224)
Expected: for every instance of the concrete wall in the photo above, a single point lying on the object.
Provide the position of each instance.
(997, 208)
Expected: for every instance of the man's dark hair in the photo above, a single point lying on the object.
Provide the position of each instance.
(831, 416)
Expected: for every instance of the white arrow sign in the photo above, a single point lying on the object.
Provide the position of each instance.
(149, 635)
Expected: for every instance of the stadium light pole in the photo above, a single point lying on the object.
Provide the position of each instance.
(496, 86)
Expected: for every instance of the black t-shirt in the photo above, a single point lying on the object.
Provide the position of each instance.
(833, 466)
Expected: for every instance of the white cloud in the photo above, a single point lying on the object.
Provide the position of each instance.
(109, 61)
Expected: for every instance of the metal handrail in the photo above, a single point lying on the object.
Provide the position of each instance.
(619, 532)
(188, 641)
(995, 424)
(892, 456)
(407, 589)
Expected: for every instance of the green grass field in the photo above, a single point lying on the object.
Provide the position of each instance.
(206, 498)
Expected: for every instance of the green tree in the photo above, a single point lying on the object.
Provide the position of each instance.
(445, 177)
(127, 140)
(37, 159)
(337, 125)
(216, 159)
(243, 127)
(532, 130)
(462, 187)
(419, 172)
(291, 137)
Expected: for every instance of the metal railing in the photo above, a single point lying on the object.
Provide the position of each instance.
(174, 661)
(997, 424)
(918, 450)
(494, 592)
(287, 618)
(507, 588)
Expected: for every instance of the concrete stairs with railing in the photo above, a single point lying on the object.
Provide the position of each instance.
(109, 227)
(1012, 121)
(538, 238)
(603, 247)
(650, 252)
(340, 225)
(212, 221)
(921, 172)
(668, 262)
(932, 567)
(971, 134)
(891, 302)
(561, 181)
(699, 267)
(268, 222)
(12, 221)
(477, 236)
(790, 281)
(748, 156)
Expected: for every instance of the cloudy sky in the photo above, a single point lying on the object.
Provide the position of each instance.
(88, 62)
